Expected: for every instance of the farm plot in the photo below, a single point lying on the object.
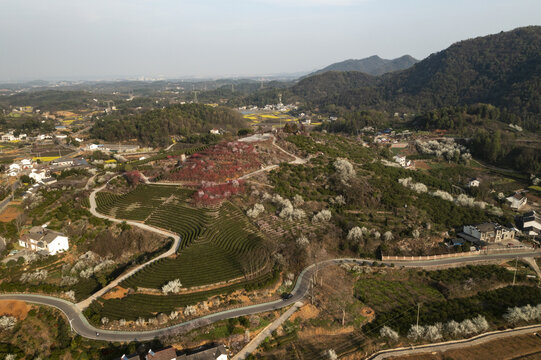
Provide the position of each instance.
(147, 306)
(139, 203)
(176, 217)
(225, 249)
(217, 245)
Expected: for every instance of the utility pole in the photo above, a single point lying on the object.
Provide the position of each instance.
(312, 291)
(515, 273)
(418, 310)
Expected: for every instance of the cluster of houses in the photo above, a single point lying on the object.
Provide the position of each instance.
(10, 136)
(114, 148)
(486, 233)
(493, 233)
(17, 167)
(169, 353)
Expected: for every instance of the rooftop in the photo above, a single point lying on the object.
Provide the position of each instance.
(166, 354)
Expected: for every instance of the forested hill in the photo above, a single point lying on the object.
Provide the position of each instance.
(373, 65)
(502, 69)
(156, 127)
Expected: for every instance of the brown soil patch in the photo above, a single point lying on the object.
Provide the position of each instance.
(10, 213)
(310, 333)
(420, 164)
(117, 292)
(525, 347)
(368, 313)
(306, 312)
(16, 308)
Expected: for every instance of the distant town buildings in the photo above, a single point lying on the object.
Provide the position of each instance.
(116, 148)
(11, 137)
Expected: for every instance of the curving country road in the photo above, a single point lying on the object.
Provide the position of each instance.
(81, 326)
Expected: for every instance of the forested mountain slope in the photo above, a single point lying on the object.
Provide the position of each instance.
(502, 69)
(373, 65)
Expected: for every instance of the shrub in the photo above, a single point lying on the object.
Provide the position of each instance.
(322, 216)
(387, 332)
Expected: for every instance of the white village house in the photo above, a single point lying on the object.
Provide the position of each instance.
(402, 161)
(517, 201)
(14, 169)
(488, 232)
(42, 239)
(38, 176)
(530, 223)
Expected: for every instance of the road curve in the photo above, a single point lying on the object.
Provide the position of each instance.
(92, 198)
(81, 326)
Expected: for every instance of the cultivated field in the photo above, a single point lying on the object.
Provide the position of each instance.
(217, 245)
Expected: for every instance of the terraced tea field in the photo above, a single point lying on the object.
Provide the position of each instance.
(217, 245)
(147, 306)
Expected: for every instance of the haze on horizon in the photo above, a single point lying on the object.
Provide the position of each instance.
(107, 39)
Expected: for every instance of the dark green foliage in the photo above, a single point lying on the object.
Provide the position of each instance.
(71, 172)
(459, 118)
(491, 304)
(373, 65)
(351, 122)
(481, 272)
(156, 127)
(499, 149)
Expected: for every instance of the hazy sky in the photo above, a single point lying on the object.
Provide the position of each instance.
(83, 39)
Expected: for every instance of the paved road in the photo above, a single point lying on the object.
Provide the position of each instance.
(83, 304)
(457, 344)
(81, 326)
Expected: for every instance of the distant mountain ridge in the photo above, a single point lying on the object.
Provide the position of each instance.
(503, 70)
(373, 65)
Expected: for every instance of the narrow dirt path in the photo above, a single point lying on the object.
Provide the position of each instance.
(256, 341)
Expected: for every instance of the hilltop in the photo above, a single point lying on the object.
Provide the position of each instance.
(373, 65)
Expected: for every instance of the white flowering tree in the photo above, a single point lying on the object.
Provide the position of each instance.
(388, 333)
(344, 170)
(388, 236)
(173, 286)
(302, 241)
(322, 217)
(355, 234)
(255, 211)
